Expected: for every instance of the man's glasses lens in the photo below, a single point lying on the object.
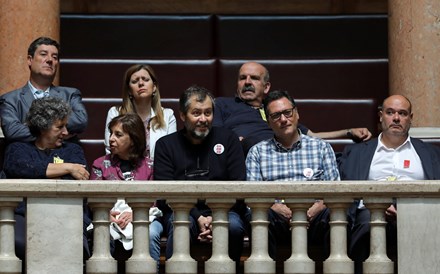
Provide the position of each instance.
(277, 115)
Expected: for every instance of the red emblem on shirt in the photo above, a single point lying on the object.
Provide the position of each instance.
(406, 163)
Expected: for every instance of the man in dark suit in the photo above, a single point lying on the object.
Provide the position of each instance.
(43, 60)
(393, 156)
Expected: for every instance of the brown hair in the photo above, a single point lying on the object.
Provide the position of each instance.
(127, 104)
(132, 125)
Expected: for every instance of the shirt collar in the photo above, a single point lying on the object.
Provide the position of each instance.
(34, 89)
(295, 146)
(381, 146)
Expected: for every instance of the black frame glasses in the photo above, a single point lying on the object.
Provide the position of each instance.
(277, 115)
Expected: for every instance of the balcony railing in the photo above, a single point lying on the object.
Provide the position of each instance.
(54, 224)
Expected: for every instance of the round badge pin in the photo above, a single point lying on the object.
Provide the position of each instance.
(219, 149)
(308, 173)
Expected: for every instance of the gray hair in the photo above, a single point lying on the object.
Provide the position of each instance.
(200, 92)
(44, 112)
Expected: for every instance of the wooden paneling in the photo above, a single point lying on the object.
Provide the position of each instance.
(302, 37)
(225, 6)
(316, 78)
(137, 36)
(103, 78)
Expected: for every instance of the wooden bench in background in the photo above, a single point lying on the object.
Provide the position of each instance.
(316, 114)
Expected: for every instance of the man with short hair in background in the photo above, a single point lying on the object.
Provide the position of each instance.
(43, 61)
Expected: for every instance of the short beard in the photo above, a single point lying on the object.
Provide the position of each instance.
(200, 135)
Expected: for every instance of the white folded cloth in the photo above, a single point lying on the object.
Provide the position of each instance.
(124, 235)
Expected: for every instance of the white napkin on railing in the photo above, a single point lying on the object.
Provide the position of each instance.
(124, 235)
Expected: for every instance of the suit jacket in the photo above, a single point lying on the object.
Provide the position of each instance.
(15, 105)
(354, 164)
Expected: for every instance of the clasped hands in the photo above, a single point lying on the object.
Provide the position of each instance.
(205, 228)
(312, 212)
(205, 223)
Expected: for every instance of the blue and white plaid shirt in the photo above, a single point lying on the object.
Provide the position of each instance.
(310, 159)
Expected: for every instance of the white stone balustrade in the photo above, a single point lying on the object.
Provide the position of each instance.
(299, 261)
(338, 262)
(101, 261)
(418, 203)
(140, 261)
(378, 262)
(220, 263)
(9, 263)
(181, 262)
(259, 262)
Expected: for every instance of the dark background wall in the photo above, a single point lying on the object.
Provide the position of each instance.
(330, 55)
(225, 6)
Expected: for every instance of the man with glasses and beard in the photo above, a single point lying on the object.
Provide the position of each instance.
(202, 152)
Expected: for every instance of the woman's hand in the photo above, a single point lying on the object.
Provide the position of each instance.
(122, 220)
(79, 172)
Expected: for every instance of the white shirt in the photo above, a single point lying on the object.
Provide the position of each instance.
(400, 164)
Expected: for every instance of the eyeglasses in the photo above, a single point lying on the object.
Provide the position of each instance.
(277, 115)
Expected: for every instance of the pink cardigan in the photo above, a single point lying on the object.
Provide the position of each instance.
(108, 168)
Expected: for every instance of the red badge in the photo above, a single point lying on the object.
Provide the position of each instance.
(406, 163)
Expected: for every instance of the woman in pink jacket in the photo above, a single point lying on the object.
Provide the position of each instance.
(127, 162)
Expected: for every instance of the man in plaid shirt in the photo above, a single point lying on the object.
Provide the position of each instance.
(291, 156)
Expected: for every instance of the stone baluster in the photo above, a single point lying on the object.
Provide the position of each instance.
(378, 262)
(141, 261)
(9, 263)
(338, 261)
(54, 243)
(101, 261)
(259, 261)
(220, 262)
(299, 262)
(181, 261)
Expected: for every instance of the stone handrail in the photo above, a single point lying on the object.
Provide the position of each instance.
(57, 204)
